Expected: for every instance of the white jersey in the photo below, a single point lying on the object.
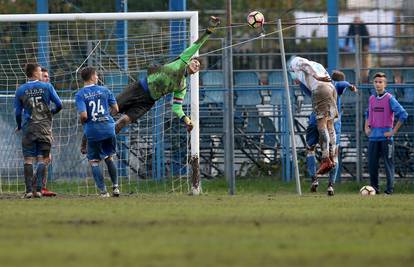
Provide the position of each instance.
(297, 66)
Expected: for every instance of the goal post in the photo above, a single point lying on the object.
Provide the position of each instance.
(100, 24)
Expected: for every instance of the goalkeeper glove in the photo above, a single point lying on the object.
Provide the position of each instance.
(188, 123)
(212, 24)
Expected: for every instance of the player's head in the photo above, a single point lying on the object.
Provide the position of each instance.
(338, 76)
(380, 82)
(89, 75)
(33, 71)
(289, 63)
(45, 75)
(194, 65)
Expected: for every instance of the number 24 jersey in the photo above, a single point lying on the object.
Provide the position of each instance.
(96, 100)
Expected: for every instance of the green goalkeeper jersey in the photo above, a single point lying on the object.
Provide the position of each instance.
(170, 78)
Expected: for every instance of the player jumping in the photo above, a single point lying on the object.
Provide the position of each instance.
(315, 77)
(312, 134)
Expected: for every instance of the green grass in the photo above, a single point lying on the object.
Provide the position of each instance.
(249, 229)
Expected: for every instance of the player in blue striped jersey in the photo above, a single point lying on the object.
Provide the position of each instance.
(95, 105)
(312, 134)
(32, 101)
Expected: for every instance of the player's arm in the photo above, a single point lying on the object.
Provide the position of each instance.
(114, 109)
(55, 99)
(177, 108)
(81, 107)
(305, 89)
(307, 68)
(341, 86)
(400, 113)
(188, 53)
(113, 106)
(367, 127)
(18, 108)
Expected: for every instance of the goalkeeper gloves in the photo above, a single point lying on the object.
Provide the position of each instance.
(212, 24)
(188, 123)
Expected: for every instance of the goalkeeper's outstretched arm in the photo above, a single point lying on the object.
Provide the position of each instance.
(187, 54)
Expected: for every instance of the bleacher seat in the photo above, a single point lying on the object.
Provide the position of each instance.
(277, 97)
(270, 138)
(408, 76)
(408, 95)
(248, 97)
(212, 96)
(212, 78)
(246, 78)
(388, 73)
(275, 77)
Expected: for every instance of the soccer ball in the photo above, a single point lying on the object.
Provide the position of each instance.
(255, 19)
(367, 190)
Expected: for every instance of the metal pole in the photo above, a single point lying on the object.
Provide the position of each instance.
(122, 52)
(358, 109)
(43, 35)
(289, 107)
(333, 49)
(228, 109)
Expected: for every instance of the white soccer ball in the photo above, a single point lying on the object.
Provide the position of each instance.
(255, 19)
(367, 190)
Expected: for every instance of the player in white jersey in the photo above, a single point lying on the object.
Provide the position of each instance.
(315, 77)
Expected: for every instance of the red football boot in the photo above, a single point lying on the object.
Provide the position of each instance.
(46, 193)
(325, 166)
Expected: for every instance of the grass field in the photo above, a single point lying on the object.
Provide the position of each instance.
(249, 229)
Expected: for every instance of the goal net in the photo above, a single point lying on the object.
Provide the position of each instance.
(153, 153)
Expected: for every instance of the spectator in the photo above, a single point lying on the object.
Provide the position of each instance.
(359, 28)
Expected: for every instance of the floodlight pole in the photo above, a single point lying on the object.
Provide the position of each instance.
(289, 108)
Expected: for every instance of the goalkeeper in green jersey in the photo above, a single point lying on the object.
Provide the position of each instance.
(138, 98)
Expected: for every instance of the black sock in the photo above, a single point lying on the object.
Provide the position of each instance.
(28, 176)
(112, 171)
(40, 175)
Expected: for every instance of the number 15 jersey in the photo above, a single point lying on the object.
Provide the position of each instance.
(96, 100)
(33, 101)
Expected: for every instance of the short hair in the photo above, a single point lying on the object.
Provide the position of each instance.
(45, 70)
(87, 72)
(380, 75)
(198, 59)
(30, 69)
(338, 76)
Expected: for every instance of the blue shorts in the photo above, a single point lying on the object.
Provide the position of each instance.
(36, 148)
(98, 150)
(312, 134)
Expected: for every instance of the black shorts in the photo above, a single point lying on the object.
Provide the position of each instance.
(134, 101)
(36, 141)
(35, 149)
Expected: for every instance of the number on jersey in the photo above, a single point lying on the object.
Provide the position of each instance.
(97, 108)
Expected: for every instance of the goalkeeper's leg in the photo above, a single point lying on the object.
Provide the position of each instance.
(134, 101)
